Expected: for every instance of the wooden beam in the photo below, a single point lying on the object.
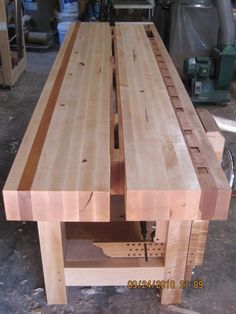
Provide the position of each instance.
(112, 273)
(161, 231)
(199, 229)
(155, 152)
(52, 238)
(213, 132)
(78, 247)
(66, 167)
(10, 191)
(176, 259)
(197, 242)
(216, 193)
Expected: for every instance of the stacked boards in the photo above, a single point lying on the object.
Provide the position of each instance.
(64, 170)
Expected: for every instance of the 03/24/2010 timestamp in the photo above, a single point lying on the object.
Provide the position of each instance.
(165, 284)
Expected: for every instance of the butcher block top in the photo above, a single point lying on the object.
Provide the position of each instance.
(114, 128)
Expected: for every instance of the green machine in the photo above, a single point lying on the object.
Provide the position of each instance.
(208, 78)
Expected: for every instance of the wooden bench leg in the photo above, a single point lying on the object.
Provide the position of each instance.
(161, 231)
(176, 259)
(51, 237)
(197, 243)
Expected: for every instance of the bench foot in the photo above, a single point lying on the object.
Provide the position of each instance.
(52, 238)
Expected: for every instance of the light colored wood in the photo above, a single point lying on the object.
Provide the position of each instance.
(199, 229)
(81, 147)
(188, 273)
(142, 23)
(132, 249)
(20, 67)
(176, 259)
(75, 249)
(52, 237)
(213, 132)
(64, 160)
(197, 242)
(110, 276)
(225, 125)
(216, 192)
(155, 153)
(113, 273)
(161, 231)
(10, 194)
(116, 262)
(9, 73)
(67, 169)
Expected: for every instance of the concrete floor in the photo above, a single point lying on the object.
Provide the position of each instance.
(21, 278)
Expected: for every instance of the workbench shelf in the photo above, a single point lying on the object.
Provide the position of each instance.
(93, 248)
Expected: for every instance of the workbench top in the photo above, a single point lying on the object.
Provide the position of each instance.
(69, 169)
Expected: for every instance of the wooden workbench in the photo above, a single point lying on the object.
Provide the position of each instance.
(115, 140)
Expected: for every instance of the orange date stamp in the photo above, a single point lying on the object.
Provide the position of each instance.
(165, 284)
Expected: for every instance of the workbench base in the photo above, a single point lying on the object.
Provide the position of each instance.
(63, 266)
(180, 245)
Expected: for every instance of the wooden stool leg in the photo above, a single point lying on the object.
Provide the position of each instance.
(51, 237)
(176, 259)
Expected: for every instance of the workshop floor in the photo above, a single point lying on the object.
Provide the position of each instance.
(21, 277)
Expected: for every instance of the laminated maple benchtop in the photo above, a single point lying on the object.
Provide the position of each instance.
(119, 80)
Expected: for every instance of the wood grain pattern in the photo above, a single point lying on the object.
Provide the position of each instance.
(112, 273)
(67, 167)
(88, 250)
(132, 249)
(216, 193)
(10, 193)
(213, 132)
(67, 172)
(52, 238)
(9, 74)
(199, 228)
(160, 179)
(176, 259)
(161, 231)
(197, 242)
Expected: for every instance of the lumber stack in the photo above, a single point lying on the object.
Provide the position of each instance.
(114, 128)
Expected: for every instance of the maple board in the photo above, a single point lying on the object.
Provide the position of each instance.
(67, 167)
